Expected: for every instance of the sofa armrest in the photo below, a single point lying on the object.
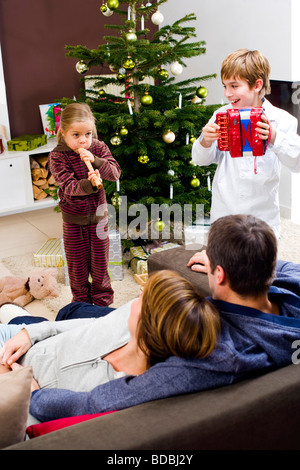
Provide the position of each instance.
(177, 259)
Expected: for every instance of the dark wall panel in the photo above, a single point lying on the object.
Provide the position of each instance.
(33, 35)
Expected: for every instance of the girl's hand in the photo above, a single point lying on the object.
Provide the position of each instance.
(86, 155)
(210, 133)
(15, 347)
(264, 129)
(34, 384)
(199, 262)
(93, 176)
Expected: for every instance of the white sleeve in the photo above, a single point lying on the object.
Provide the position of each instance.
(203, 156)
(45, 329)
(287, 145)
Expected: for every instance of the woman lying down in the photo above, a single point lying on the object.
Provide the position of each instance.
(87, 366)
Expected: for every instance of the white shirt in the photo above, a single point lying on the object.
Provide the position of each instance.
(236, 188)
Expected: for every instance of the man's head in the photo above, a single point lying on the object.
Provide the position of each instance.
(250, 66)
(246, 249)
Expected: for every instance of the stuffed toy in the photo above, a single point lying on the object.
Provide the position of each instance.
(40, 284)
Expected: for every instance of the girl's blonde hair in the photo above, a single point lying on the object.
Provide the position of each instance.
(175, 319)
(75, 112)
(247, 65)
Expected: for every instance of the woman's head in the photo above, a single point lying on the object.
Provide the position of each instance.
(76, 122)
(175, 319)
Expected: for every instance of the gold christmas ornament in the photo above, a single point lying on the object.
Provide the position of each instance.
(131, 36)
(121, 77)
(128, 64)
(143, 159)
(163, 74)
(101, 92)
(81, 67)
(116, 140)
(192, 139)
(103, 8)
(159, 225)
(116, 200)
(195, 182)
(168, 136)
(123, 131)
(201, 92)
(112, 4)
(147, 99)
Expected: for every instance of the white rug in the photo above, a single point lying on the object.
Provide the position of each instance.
(125, 290)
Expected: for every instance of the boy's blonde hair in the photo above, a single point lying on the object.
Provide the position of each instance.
(75, 112)
(247, 65)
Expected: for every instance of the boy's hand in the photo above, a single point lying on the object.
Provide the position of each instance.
(264, 129)
(210, 133)
(86, 154)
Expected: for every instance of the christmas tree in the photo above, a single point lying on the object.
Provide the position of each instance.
(145, 115)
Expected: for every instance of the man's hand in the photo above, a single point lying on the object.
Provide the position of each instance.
(199, 262)
(15, 347)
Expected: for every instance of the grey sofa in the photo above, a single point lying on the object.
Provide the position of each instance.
(257, 413)
(261, 412)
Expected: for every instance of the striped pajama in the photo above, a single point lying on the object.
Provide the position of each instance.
(87, 254)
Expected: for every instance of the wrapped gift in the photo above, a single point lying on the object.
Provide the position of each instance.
(49, 255)
(195, 236)
(115, 264)
(26, 142)
(138, 262)
(52, 254)
(50, 118)
(166, 246)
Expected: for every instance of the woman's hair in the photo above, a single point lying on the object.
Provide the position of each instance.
(75, 112)
(247, 65)
(246, 248)
(175, 319)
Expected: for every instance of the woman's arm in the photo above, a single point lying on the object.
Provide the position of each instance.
(20, 343)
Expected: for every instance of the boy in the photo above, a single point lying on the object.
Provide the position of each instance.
(237, 188)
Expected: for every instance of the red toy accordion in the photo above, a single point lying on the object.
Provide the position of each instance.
(237, 132)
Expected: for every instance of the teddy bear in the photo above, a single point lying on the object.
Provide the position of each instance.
(40, 284)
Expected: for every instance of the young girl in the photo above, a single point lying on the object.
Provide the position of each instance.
(79, 198)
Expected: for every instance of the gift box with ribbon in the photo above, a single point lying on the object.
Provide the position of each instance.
(138, 262)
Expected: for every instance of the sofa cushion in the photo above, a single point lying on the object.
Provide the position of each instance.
(177, 259)
(36, 430)
(15, 393)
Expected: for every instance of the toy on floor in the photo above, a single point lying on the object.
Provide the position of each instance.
(40, 284)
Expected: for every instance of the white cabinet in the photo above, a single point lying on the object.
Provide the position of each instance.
(16, 184)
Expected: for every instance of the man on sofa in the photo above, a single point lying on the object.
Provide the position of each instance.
(260, 323)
